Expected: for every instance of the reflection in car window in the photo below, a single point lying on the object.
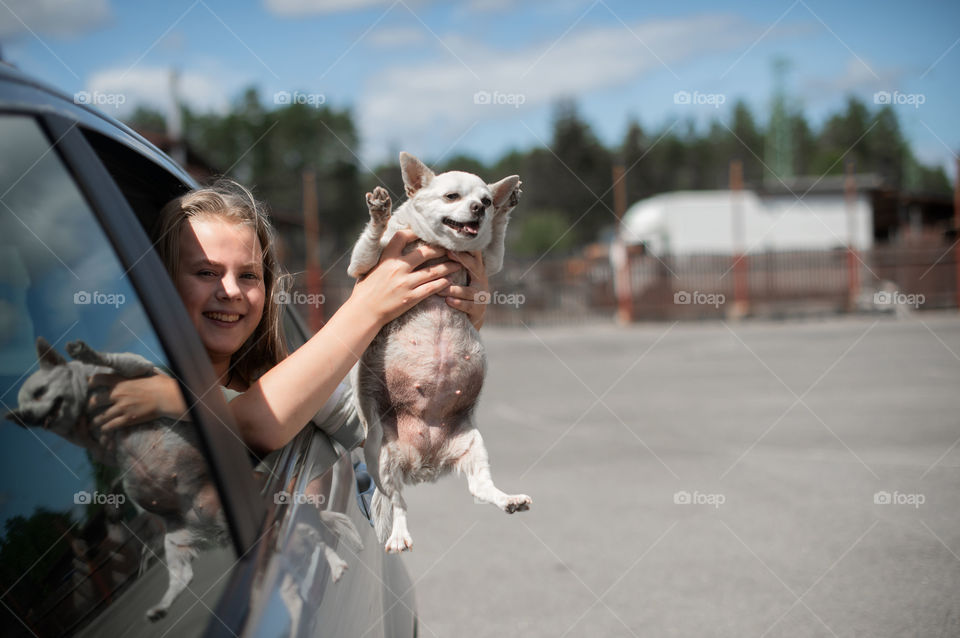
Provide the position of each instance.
(95, 527)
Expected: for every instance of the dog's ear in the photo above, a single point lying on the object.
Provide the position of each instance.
(47, 356)
(416, 174)
(506, 189)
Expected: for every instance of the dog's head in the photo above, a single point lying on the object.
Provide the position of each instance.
(454, 210)
(54, 397)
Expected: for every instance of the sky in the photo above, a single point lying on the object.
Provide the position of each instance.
(480, 77)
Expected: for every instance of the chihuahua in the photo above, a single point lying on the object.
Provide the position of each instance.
(418, 382)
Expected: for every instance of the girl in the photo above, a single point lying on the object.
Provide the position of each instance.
(219, 249)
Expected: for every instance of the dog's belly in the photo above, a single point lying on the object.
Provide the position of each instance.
(433, 369)
(163, 469)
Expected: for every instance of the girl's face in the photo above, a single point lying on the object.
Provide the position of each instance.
(221, 283)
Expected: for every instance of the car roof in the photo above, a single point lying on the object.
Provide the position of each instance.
(22, 92)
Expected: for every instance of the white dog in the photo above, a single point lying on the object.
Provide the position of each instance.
(418, 382)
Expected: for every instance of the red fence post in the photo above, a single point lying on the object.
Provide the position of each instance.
(620, 254)
(853, 262)
(741, 267)
(956, 230)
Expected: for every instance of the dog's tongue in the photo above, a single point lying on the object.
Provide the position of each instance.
(471, 228)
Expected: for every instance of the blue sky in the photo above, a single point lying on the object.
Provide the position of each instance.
(480, 76)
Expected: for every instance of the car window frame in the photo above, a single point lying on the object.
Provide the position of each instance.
(229, 462)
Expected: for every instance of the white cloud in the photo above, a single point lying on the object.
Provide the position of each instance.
(437, 98)
(150, 86)
(397, 37)
(857, 76)
(291, 8)
(51, 17)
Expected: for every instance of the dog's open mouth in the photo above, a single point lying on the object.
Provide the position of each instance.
(54, 412)
(464, 228)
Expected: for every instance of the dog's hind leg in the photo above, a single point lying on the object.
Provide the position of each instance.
(366, 252)
(389, 498)
(474, 463)
(126, 364)
(179, 553)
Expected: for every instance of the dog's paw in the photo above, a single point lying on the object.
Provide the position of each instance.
(337, 567)
(80, 351)
(398, 542)
(516, 503)
(379, 204)
(155, 614)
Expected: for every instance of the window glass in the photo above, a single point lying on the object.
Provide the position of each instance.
(93, 526)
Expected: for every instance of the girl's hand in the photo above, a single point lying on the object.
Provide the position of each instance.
(469, 298)
(117, 401)
(392, 287)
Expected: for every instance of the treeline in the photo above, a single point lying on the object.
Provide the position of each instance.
(568, 197)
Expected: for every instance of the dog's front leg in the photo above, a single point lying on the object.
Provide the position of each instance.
(493, 257)
(366, 252)
(126, 364)
(475, 464)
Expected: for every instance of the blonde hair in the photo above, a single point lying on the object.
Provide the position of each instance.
(230, 201)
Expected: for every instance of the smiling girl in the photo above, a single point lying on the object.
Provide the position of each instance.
(219, 248)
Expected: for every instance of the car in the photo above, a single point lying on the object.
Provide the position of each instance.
(79, 192)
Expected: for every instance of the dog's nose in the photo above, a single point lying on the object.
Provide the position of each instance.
(477, 209)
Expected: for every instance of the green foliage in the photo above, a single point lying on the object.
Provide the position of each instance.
(539, 233)
(30, 549)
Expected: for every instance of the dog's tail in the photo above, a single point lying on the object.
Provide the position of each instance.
(382, 512)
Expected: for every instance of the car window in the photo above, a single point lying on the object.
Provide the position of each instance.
(93, 528)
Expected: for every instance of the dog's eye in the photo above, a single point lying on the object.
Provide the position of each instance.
(486, 202)
(39, 392)
(452, 197)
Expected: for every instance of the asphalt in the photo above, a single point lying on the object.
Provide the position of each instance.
(706, 479)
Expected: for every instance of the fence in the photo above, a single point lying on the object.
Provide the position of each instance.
(778, 284)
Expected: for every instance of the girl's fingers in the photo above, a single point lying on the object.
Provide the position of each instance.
(438, 271)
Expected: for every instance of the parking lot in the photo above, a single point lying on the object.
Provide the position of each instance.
(707, 479)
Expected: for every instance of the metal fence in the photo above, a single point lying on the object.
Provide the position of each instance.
(702, 286)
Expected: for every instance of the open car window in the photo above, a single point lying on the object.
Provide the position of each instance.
(96, 527)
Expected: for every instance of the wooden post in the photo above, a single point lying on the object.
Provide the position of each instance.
(620, 255)
(741, 267)
(311, 238)
(853, 263)
(956, 229)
